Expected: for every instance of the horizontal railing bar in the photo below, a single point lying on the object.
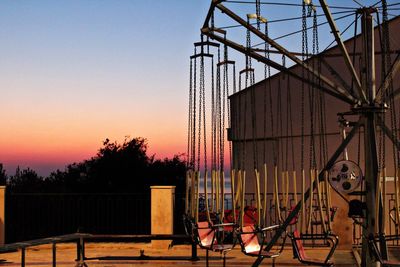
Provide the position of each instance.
(43, 241)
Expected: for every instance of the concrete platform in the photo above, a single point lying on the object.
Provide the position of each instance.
(142, 254)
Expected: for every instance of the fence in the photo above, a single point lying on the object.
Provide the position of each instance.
(31, 216)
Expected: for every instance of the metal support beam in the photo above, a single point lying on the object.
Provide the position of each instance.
(335, 74)
(54, 253)
(343, 49)
(372, 221)
(23, 257)
(371, 175)
(285, 52)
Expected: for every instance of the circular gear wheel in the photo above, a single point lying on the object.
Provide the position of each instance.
(345, 176)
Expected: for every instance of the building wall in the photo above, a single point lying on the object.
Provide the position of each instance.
(242, 115)
(257, 148)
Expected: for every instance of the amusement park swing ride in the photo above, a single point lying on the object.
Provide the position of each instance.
(221, 98)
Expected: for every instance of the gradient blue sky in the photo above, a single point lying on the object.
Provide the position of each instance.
(75, 72)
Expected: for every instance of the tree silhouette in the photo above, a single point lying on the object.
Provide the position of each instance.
(116, 167)
(26, 180)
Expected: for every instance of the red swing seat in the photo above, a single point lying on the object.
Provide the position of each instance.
(253, 241)
(249, 218)
(207, 236)
(300, 253)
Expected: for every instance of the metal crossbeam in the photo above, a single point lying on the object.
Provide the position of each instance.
(343, 49)
(274, 65)
(228, 12)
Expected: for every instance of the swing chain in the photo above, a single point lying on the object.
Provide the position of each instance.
(194, 111)
(304, 51)
(258, 13)
(189, 154)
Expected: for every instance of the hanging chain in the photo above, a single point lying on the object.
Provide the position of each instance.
(289, 99)
(248, 59)
(279, 124)
(321, 107)
(194, 110)
(258, 13)
(303, 57)
(204, 113)
(312, 99)
(387, 66)
(215, 117)
(189, 144)
(254, 127)
(200, 111)
(244, 132)
(221, 118)
(271, 119)
(288, 118)
(252, 92)
(225, 102)
(266, 71)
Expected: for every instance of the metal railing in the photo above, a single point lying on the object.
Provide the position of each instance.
(33, 216)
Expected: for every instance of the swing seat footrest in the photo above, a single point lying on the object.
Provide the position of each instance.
(222, 247)
(263, 254)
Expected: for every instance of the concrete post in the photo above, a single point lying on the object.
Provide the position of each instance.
(162, 213)
(2, 214)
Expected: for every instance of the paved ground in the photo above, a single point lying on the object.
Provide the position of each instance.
(128, 254)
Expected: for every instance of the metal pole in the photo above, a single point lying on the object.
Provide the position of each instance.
(194, 252)
(371, 173)
(23, 257)
(54, 254)
(343, 49)
(369, 114)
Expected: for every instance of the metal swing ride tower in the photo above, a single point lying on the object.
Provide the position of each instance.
(365, 102)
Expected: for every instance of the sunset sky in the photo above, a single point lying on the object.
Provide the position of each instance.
(75, 72)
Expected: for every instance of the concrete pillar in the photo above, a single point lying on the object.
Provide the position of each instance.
(2, 214)
(162, 213)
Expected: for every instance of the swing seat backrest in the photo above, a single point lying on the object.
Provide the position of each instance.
(249, 239)
(250, 216)
(299, 251)
(295, 218)
(229, 219)
(205, 234)
(299, 248)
